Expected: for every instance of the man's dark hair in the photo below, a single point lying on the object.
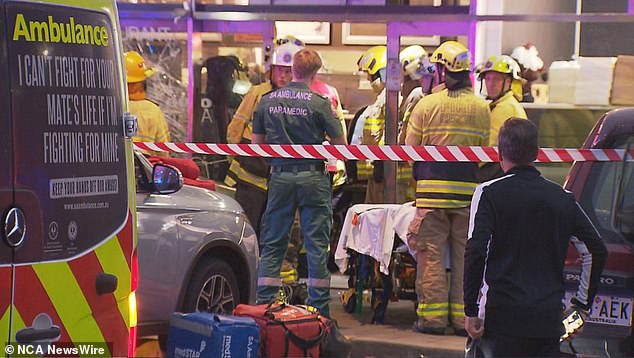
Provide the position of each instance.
(517, 141)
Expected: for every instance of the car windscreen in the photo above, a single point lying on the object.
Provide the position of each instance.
(608, 196)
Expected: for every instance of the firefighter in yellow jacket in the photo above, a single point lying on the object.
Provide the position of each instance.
(453, 116)
(501, 76)
(370, 129)
(418, 81)
(370, 126)
(151, 122)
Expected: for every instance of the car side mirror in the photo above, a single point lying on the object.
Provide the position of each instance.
(166, 179)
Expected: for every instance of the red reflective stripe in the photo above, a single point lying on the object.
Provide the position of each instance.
(612, 154)
(422, 151)
(104, 307)
(226, 149)
(446, 153)
(141, 146)
(398, 150)
(311, 150)
(492, 153)
(470, 154)
(588, 155)
(376, 150)
(268, 150)
(32, 299)
(564, 155)
(379, 152)
(247, 149)
(5, 289)
(290, 150)
(542, 157)
(333, 150)
(357, 152)
(126, 239)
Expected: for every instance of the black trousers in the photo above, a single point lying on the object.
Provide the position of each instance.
(497, 345)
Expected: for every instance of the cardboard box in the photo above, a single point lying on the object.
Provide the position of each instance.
(594, 80)
(562, 79)
(623, 82)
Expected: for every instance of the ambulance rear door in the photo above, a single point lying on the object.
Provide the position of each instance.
(8, 224)
(72, 269)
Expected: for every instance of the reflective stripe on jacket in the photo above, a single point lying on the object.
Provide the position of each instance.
(238, 174)
(455, 117)
(374, 124)
(239, 131)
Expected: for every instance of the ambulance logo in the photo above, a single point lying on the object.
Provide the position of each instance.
(14, 228)
(53, 230)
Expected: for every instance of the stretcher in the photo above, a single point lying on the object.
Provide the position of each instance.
(372, 250)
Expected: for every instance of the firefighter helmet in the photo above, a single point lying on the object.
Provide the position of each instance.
(502, 64)
(135, 68)
(453, 55)
(284, 54)
(290, 38)
(415, 62)
(410, 54)
(373, 60)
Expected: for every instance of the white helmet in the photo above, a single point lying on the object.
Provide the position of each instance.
(284, 53)
(411, 53)
(418, 67)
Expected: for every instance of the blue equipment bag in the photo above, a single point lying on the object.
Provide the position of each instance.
(208, 335)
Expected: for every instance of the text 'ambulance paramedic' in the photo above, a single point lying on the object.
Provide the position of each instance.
(297, 115)
(249, 174)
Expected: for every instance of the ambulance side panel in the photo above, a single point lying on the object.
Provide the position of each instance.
(6, 188)
(72, 272)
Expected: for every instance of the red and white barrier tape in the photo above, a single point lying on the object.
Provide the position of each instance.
(383, 152)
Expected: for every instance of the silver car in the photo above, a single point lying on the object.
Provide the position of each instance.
(196, 252)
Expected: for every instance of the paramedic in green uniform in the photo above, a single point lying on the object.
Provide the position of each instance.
(296, 115)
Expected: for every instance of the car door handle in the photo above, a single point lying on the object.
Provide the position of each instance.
(29, 335)
(42, 330)
(105, 283)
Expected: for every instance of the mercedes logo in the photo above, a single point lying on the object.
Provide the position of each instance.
(14, 228)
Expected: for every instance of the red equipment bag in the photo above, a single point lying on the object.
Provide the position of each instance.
(285, 330)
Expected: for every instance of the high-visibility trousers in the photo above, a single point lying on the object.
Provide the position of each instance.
(440, 298)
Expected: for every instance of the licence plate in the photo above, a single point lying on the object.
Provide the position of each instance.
(612, 310)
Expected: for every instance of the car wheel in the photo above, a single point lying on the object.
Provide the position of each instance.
(213, 288)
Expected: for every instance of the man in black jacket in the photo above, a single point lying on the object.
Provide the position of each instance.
(519, 231)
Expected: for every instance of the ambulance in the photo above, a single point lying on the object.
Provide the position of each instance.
(68, 267)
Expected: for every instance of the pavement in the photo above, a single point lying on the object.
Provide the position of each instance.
(395, 338)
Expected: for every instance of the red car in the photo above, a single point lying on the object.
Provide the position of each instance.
(605, 190)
